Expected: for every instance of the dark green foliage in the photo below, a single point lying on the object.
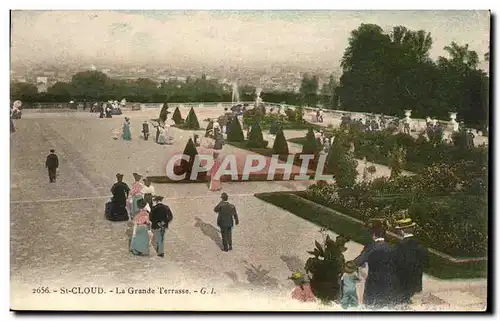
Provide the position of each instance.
(280, 146)
(256, 139)
(326, 267)
(209, 128)
(192, 120)
(164, 113)
(310, 144)
(327, 216)
(274, 127)
(433, 87)
(235, 133)
(176, 117)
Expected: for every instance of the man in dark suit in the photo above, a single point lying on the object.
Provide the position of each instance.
(52, 163)
(410, 260)
(225, 220)
(160, 216)
(381, 282)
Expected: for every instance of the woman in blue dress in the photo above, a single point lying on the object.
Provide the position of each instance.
(126, 130)
(139, 244)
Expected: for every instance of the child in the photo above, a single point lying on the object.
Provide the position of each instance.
(302, 291)
(349, 281)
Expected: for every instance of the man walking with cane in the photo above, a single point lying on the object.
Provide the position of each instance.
(226, 219)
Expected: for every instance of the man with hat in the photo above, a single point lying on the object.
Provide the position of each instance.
(226, 219)
(52, 163)
(160, 216)
(381, 282)
(411, 258)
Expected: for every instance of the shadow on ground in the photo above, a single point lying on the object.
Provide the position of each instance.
(293, 263)
(209, 230)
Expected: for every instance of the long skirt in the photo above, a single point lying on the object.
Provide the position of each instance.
(215, 184)
(134, 208)
(12, 128)
(126, 134)
(139, 244)
(161, 139)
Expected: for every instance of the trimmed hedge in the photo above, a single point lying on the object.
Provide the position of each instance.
(177, 117)
(327, 218)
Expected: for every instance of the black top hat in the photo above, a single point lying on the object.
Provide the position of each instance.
(119, 175)
(52, 150)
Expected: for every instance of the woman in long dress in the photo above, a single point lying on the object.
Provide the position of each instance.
(126, 130)
(161, 135)
(215, 184)
(139, 244)
(136, 194)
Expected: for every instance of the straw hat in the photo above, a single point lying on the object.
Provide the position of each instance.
(405, 223)
(296, 276)
(137, 176)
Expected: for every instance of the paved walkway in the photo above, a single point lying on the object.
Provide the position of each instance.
(62, 240)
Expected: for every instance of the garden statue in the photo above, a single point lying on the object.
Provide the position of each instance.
(397, 158)
(453, 122)
(407, 122)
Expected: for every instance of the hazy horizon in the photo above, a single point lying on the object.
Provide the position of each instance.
(222, 38)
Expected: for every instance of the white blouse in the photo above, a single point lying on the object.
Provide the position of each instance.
(148, 190)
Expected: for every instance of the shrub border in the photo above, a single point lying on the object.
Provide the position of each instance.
(440, 265)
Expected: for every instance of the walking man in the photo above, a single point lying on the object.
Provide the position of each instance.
(226, 219)
(145, 130)
(52, 163)
(160, 216)
(410, 259)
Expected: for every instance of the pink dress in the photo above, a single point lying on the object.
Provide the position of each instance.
(215, 183)
(303, 294)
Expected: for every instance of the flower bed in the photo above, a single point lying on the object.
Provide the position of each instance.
(337, 222)
(453, 223)
(420, 154)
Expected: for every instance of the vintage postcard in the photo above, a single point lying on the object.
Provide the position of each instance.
(249, 160)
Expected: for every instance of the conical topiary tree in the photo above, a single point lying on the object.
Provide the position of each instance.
(164, 113)
(256, 139)
(191, 151)
(209, 128)
(280, 145)
(192, 120)
(176, 117)
(235, 133)
(310, 146)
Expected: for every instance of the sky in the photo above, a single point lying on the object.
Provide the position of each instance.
(214, 38)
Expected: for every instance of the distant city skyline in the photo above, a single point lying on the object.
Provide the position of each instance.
(223, 38)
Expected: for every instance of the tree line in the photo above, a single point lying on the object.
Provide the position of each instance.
(381, 73)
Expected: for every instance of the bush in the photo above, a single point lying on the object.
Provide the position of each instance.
(187, 166)
(310, 145)
(280, 146)
(326, 267)
(235, 133)
(210, 126)
(192, 120)
(256, 139)
(176, 117)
